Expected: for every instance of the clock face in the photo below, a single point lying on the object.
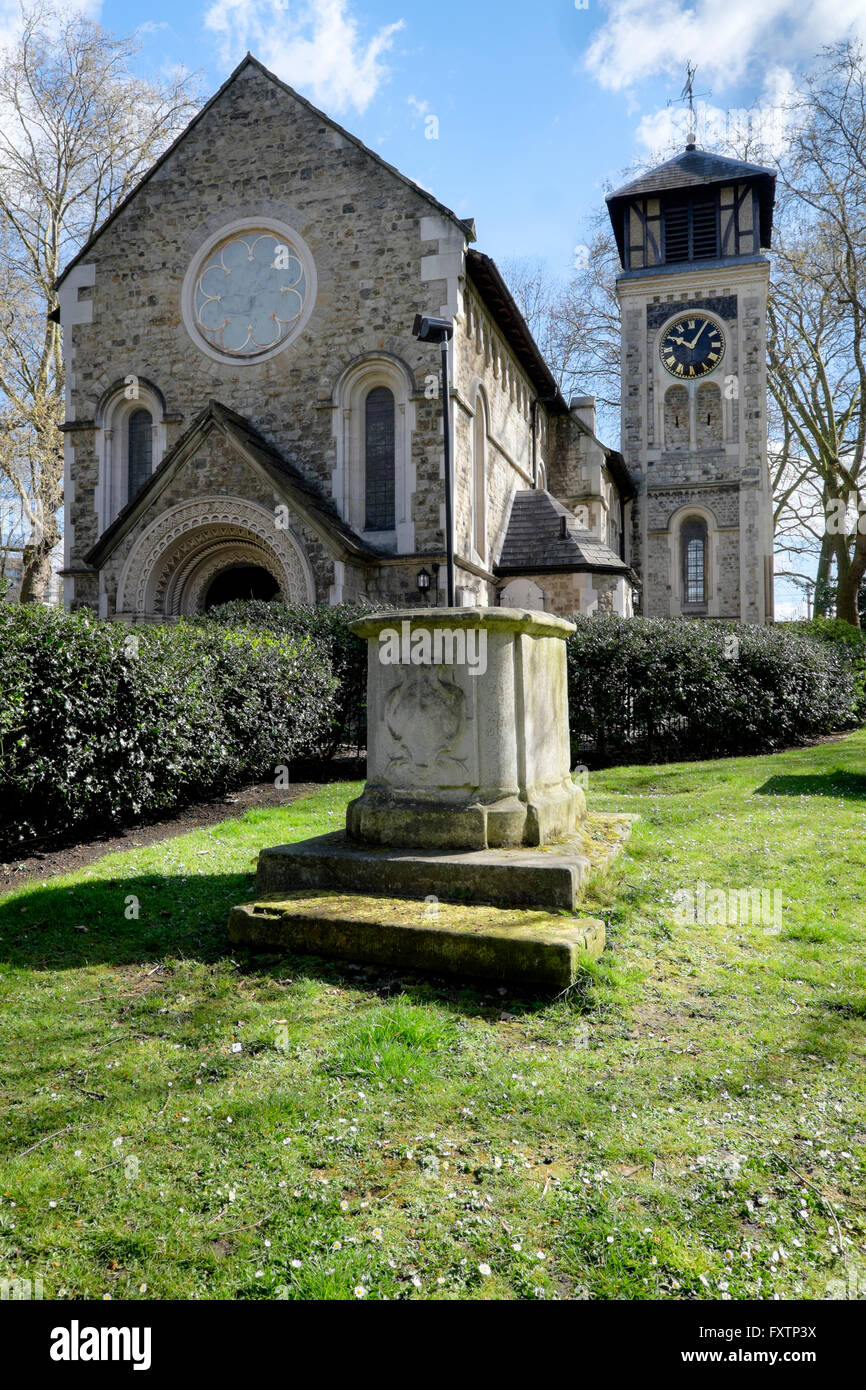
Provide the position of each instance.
(691, 347)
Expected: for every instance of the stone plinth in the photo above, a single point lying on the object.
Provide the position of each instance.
(467, 731)
(549, 876)
(532, 948)
(468, 848)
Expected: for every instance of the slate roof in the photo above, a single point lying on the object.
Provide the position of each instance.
(692, 169)
(288, 482)
(487, 279)
(537, 539)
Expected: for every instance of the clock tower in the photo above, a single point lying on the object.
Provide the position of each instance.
(693, 300)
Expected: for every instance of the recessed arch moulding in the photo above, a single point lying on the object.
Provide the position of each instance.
(173, 562)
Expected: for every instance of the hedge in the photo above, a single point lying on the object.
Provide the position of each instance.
(853, 639)
(328, 629)
(101, 724)
(663, 688)
(659, 689)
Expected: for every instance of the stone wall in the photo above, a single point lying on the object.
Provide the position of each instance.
(579, 477)
(378, 251)
(484, 365)
(701, 448)
(580, 592)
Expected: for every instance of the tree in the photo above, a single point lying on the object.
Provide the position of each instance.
(815, 389)
(818, 335)
(575, 321)
(78, 129)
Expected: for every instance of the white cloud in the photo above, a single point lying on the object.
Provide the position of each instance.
(314, 45)
(11, 19)
(759, 130)
(728, 41)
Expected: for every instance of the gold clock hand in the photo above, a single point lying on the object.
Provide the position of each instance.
(691, 345)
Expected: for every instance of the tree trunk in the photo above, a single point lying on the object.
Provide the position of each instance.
(36, 576)
(849, 583)
(821, 603)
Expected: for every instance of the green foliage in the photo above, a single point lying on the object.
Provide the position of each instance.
(328, 629)
(853, 640)
(832, 630)
(100, 724)
(678, 689)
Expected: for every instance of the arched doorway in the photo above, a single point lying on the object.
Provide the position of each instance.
(174, 566)
(240, 582)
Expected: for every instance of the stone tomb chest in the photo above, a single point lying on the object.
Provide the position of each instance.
(466, 851)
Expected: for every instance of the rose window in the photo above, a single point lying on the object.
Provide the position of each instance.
(250, 294)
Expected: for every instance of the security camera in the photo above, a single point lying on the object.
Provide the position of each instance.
(430, 330)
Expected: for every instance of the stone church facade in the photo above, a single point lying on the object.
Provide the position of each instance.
(249, 413)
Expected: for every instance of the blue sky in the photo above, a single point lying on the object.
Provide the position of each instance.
(537, 104)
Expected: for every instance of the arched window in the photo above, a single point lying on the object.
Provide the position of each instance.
(379, 460)
(139, 452)
(130, 442)
(479, 480)
(374, 481)
(693, 540)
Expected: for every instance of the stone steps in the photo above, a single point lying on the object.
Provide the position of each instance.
(519, 946)
(550, 877)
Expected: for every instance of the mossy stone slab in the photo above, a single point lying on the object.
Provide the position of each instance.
(517, 946)
(549, 877)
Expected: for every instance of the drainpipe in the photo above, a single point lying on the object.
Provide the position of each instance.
(533, 424)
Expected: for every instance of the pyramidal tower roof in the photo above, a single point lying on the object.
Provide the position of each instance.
(694, 169)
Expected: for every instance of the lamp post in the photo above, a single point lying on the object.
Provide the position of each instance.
(432, 330)
(423, 582)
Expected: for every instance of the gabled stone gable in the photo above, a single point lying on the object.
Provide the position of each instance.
(258, 151)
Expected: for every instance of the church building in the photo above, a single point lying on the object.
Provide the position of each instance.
(693, 302)
(249, 413)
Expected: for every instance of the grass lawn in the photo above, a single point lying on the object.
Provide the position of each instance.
(688, 1123)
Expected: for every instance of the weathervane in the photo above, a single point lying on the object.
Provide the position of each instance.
(688, 94)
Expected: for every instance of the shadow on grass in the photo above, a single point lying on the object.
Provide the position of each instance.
(66, 928)
(122, 921)
(850, 786)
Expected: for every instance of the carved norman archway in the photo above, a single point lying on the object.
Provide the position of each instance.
(172, 564)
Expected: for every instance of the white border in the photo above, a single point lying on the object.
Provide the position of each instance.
(247, 224)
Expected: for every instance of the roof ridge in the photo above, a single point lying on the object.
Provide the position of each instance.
(466, 223)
